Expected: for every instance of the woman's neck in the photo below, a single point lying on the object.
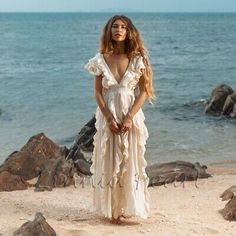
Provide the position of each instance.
(119, 48)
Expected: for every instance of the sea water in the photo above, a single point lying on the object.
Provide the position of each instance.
(45, 88)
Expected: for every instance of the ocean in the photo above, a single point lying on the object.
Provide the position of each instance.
(45, 88)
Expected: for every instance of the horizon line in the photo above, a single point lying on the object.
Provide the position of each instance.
(117, 11)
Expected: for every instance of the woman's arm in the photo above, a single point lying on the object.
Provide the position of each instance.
(138, 103)
(98, 93)
(102, 105)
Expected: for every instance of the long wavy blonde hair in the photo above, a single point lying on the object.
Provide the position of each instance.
(133, 47)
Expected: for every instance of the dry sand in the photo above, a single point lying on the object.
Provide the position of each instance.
(174, 210)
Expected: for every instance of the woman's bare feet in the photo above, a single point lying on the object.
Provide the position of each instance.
(115, 221)
(124, 216)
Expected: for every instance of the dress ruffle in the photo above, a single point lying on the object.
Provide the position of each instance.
(139, 66)
(94, 66)
(117, 178)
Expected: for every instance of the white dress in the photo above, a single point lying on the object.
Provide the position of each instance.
(119, 178)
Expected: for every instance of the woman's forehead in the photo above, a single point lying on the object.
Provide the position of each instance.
(119, 22)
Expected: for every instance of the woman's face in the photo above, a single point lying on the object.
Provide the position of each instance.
(118, 31)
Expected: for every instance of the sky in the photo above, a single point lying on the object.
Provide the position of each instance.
(118, 5)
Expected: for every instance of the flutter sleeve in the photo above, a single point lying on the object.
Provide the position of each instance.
(93, 66)
(139, 66)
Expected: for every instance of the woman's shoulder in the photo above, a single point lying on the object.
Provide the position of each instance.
(97, 59)
(96, 56)
(138, 61)
(139, 56)
(94, 65)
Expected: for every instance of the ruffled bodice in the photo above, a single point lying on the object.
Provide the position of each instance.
(98, 66)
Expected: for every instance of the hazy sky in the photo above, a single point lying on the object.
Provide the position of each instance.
(119, 5)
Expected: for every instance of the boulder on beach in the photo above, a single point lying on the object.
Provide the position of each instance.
(38, 226)
(83, 141)
(55, 173)
(229, 212)
(28, 162)
(41, 157)
(10, 182)
(161, 174)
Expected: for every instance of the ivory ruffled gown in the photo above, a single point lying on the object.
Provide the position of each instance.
(119, 178)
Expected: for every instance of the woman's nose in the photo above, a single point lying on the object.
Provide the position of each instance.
(121, 29)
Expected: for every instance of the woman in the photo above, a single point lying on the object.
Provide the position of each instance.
(123, 81)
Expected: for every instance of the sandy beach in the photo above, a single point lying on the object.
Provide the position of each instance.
(187, 210)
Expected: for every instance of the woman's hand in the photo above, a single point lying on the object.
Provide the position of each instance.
(114, 127)
(127, 123)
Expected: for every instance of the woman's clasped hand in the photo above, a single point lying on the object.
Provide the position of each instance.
(116, 127)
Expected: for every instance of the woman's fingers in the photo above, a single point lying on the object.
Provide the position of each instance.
(119, 128)
(116, 131)
(126, 125)
(114, 127)
(125, 128)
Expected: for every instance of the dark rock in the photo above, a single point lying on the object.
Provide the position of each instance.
(83, 142)
(229, 104)
(201, 169)
(229, 212)
(160, 174)
(84, 139)
(56, 173)
(10, 182)
(83, 167)
(75, 153)
(28, 162)
(64, 176)
(217, 100)
(38, 227)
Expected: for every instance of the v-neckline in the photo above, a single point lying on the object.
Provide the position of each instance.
(109, 70)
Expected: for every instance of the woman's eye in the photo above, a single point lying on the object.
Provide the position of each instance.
(117, 26)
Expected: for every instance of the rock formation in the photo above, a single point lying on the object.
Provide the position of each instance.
(222, 101)
(28, 162)
(55, 173)
(10, 182)
(38, 226)
(160, 174)
(229, 212)
(39, 157)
